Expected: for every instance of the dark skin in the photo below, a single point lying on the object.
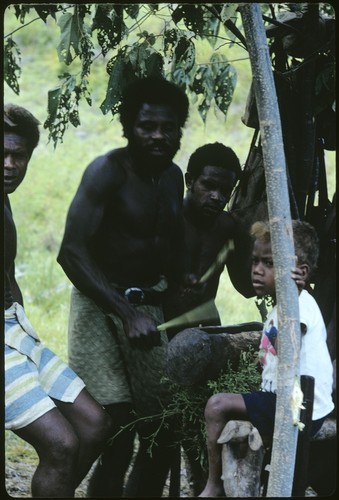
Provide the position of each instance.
(208, 227)
(16, 158)
(112, 232)
(221, 408)
(69, 437)
(125, 227)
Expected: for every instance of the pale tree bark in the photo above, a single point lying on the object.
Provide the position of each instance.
(285, 432)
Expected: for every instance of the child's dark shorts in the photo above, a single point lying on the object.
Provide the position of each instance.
(260, 408)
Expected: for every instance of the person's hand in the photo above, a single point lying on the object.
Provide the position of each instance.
(190, 281)
(142, 331)
(192, 288)
(191, 297)
(298, 276)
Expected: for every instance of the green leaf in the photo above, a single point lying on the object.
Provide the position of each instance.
(154, 64)
(21, 11)
(12, 69)
(52, 105)
(203, 83)
(132, 10)
(185, 53)
(192, 15)
(228, 10)
(179, 77)
(212, 27)
(115, 84)
(87, 53)
(74, 117)
(170, 40)
(110, 26)
(44, 11)
(70, 36)
(225, 82)
(63, 103)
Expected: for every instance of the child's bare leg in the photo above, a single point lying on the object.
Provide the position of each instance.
(219, 410)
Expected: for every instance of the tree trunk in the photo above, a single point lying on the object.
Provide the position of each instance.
(285, 432)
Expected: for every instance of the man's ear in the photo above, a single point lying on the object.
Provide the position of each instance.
(188, 180)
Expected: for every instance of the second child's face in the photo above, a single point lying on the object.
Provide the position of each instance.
(262, 273)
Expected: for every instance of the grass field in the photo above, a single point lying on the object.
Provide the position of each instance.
(41, 203)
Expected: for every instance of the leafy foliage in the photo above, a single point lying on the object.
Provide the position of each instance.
(12, 70)
(146, 39)
(188, 403)
(168, 50)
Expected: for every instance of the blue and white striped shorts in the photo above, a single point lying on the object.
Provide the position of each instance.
(34, 375)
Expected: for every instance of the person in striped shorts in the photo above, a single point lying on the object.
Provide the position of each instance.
(46, 403)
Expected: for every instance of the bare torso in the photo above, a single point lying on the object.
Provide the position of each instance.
(122, 225)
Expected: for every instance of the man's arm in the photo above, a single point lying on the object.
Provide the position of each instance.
(83, 220)
(239, 262)
(178, 256)
(12, 290)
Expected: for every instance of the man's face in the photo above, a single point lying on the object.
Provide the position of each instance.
(210, 192)
(16, 158)
(263, 269)
(155, 136)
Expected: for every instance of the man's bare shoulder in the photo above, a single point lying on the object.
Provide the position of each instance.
(178, 171)
(174, 174)
(106, 170)
(113, 158)
(227, 224)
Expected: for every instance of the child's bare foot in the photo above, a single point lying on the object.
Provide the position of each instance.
(212, 490)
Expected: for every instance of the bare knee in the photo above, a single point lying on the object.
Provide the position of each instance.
(219, 405)
(98, 428)
(91, 422)
(102, 426)
(62, 450)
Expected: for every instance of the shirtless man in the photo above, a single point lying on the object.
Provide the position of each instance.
(212, 173)
(123, 237)
(46, 403)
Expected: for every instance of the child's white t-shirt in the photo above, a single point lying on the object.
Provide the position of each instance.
(314, 356)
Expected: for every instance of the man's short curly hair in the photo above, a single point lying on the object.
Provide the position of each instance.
(20, 121)
(151, 90)
(214, 154)
(306, 241)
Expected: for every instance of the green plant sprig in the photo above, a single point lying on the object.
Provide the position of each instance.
(188, 404)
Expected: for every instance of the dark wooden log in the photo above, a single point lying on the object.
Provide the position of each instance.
(242, 459)
(196, 355)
